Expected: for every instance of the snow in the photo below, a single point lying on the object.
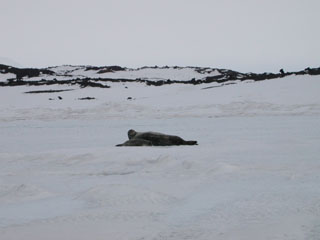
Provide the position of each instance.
(294, 95)
(5, 76)
(146, 73)
(51, 77)
(64, 69)
(156, 74)
(254, 174)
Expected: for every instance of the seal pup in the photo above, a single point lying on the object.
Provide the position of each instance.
(159, 139)
(135, 142)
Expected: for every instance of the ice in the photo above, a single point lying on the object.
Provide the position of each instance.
(254, 174)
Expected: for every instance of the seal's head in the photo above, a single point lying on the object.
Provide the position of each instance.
(131, 133)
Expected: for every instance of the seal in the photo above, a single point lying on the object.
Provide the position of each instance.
(159, 139)
(135, 142)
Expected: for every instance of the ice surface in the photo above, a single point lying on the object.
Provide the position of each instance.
(254, 174)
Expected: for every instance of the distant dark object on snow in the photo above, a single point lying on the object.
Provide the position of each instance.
(281, 71)
(155, 138)
(87, 98)
(60, 98)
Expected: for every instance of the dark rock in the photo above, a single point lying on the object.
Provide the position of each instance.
(24, 72)
(105, 69)
(88, 83)
(49, 91)
(313, 71)
(86, 98)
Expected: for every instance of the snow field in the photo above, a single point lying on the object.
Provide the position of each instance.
(254, 174)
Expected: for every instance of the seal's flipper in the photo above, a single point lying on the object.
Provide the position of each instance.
(190, 142)
(135, 143)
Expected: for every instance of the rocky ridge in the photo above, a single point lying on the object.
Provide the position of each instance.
(91, 76)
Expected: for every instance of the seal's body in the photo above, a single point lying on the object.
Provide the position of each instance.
(135, 142)
(159, 139)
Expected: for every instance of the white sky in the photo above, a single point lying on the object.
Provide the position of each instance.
(243, 35)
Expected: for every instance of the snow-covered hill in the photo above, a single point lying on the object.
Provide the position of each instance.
(254, 174)
(100, 76)
(68, 72)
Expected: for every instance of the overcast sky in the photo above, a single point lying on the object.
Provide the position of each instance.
(243, 35)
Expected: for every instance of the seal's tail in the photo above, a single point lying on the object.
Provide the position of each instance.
(190, 142)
